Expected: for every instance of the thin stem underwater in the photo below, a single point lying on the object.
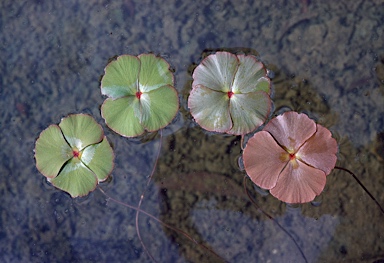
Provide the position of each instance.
(139, 210)
(142, 197)
(273, 219)
(162, 223)
(362, 186)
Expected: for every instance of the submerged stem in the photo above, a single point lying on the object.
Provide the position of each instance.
(361, 184)
(138, 210)
(142, 198)
(274, 220)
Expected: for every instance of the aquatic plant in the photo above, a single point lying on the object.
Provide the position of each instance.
(291, 157)
(230, 93)
(74, 155)
(141, 94)
(141, 98)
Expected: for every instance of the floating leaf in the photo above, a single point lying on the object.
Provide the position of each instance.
(154, 73)
(141, 94)
(245, 117)
(230, 94)
(74, 155)
(81, 130)
(75, 178)
(51, 151)
(123, 115)
(156, 107)
(99, 159)
(120, 77)
(211, 108)
(291, 157)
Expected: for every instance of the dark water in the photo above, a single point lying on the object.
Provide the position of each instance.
(328, 61)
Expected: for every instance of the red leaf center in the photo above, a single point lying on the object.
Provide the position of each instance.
(76, 153)
(230, 94)
(138, 94)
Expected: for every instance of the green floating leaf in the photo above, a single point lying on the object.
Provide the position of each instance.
(81, 130)
(150, 103)
(123, 116)
(99, 159)
(230, 94)
(158, 107)
(76, 161)
(51, 151)
(120, 77)
(154, 73)
(75, 178)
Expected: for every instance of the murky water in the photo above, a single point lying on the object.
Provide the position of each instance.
(328, 61)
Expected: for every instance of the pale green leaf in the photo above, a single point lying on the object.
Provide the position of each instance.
(210, 109)
(250, 76)
(121, 77)
(51, 151)
(81, 130)
(75, 178)
(216, 71)
(249, 111)
(123, 116)
(154, 73)
(99, 159)
(159, 107)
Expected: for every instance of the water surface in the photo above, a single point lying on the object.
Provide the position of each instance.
(328, 61)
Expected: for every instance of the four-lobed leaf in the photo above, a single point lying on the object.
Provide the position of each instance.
(291, 157)
(141, 96)
(74, 155)
(230, 93)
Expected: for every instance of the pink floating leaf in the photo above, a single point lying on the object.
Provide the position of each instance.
(291, 129)
(262, 160)
(291, 157)
(299, 183)
(320, 150)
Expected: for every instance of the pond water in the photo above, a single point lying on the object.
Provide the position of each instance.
(328, 61)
